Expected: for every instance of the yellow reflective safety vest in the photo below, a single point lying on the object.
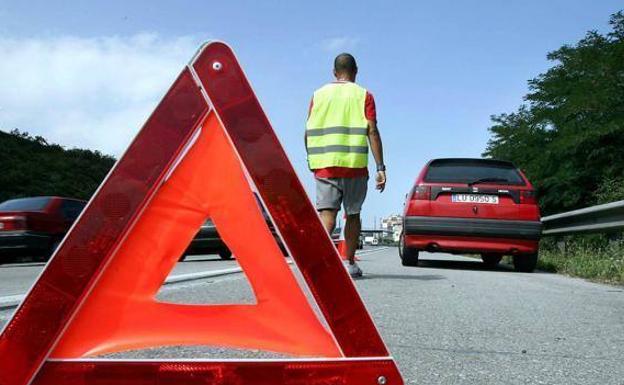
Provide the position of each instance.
(337, 128)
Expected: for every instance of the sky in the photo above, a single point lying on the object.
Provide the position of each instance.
(86, 74)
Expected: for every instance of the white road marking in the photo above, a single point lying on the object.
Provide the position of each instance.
(12, 301)
(370, 251)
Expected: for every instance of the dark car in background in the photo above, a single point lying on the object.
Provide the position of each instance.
(462, 205)
(208, 241)
(34, 227)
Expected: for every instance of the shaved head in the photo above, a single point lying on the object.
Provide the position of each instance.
(345, 64)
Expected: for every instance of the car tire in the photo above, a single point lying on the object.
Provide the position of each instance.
(491, 260)
(47, 254)
(409, 257)
(7, 259)
(525, 263)
(225, 254)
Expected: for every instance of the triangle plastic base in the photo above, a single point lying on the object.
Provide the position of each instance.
(292, 372)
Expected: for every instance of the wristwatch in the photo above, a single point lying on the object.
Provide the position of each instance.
(381, 167)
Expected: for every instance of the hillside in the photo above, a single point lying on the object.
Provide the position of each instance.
(29, 166)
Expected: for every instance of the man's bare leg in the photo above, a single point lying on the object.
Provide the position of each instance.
(352, 235)
(328, 217)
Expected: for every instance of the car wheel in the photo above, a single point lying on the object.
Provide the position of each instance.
(47, 254)
(409, 257)
(525, 263)
(7, 259)
(225, 254)
(491, 260)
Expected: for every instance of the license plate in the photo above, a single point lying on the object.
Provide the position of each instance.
(475, 198)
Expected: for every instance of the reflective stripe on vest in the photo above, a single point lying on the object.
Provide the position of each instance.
(337, 127)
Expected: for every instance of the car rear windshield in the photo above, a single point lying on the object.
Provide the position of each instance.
(25, 204)
(472, 171)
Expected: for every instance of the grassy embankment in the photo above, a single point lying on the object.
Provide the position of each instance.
(590, 257)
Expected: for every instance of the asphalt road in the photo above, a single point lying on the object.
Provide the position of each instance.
(451, 322)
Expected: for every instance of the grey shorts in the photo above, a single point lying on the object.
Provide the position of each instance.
(332, 192)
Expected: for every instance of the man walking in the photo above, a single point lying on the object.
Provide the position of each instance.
(341, 123)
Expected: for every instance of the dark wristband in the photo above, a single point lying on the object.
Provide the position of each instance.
(381, 167)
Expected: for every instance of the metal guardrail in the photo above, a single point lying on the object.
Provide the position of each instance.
(596, 219)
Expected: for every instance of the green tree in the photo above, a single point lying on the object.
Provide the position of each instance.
(610, 190)
(32, 167)
(570, 136)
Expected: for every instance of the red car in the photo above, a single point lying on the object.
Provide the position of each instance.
(35, 226)
(478, 206)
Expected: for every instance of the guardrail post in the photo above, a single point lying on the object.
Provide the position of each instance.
(561, 245)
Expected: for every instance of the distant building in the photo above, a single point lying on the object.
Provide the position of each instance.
(393, 225)
(389, 222)
(396, 235)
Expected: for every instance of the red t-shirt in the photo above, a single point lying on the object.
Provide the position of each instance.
(345, 172)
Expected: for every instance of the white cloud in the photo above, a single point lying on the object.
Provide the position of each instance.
(339, 43)
(87, 92)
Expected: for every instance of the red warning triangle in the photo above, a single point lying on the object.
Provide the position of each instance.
(204, 151)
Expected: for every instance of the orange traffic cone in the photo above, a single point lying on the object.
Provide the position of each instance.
(342, 249)
(341, 245)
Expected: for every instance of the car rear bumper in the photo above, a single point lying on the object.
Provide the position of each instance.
(16, 242)
(473, 227)
(207, 244)
(207, 240)
(478, 245)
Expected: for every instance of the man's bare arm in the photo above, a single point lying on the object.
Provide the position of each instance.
(374, 138)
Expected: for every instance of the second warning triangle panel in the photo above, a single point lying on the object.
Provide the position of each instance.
(209, 181)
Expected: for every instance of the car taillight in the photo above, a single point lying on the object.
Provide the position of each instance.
(422, 193)
(12, 223)
(527, 197)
